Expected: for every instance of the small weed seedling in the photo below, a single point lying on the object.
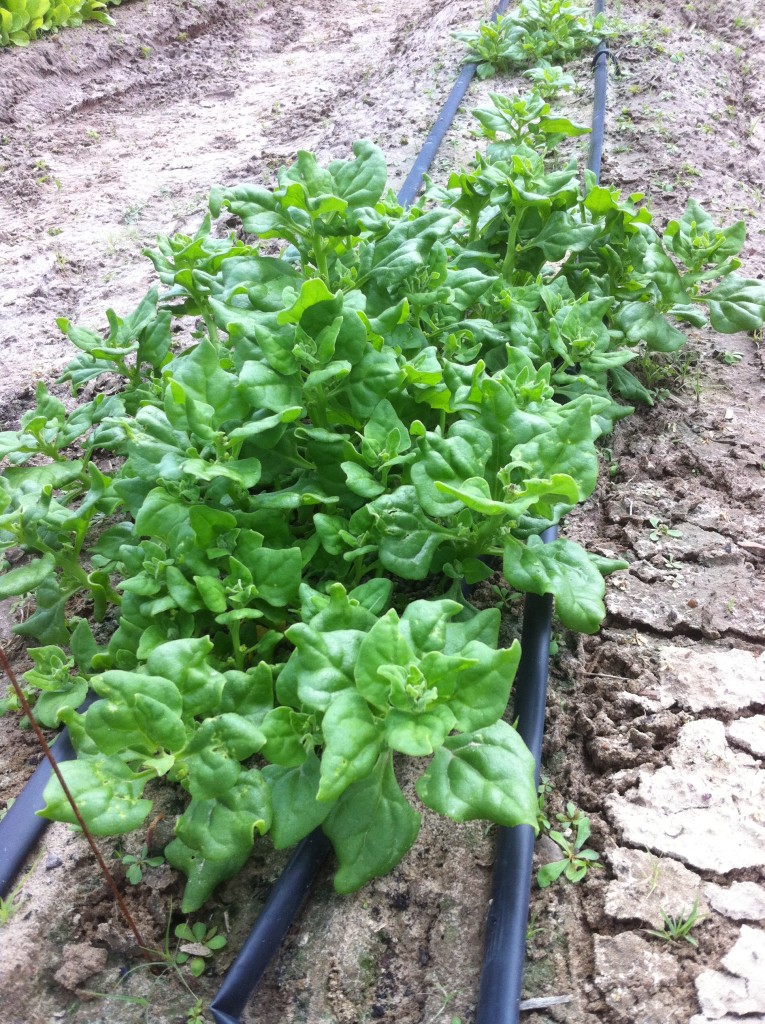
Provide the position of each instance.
(677, 929)
(197, 943)
(543, 790)
(137, 864)
(11, 903)
(575, 862)
(729, 358)
(571, 818)
(659, 530)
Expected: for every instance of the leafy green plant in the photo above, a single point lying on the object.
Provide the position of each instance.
(549, 80)
(23, 20)
(576, 860)
(394, 396)
(677, 929)
(136, 864)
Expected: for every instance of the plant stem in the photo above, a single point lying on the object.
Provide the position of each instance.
(508, 264)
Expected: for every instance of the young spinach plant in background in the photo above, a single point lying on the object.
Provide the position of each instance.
(539, 32)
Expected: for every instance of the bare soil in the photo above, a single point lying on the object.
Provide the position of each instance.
(109, 136)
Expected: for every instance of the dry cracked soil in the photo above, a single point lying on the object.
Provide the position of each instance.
(656, 726)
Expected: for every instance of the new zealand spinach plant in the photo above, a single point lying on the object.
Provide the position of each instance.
(392, 397)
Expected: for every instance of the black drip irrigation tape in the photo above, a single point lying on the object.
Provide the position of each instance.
(499, 993)
(501, 977)
(408, 191)
(278, 913)
(21, 828)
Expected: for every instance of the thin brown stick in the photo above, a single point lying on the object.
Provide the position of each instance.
(67, 793)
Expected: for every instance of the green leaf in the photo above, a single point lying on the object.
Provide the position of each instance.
(214, 837)
(450, 460)
(352, 742)
(296, 811)
(408, 540)
(483, 688)
(383, 646)
(736, 304)
(285, 731)
(107, 793)
(322, 666)
(360, 182)
(563, 569)
(487, 774)
(641, 321)
(26, 577)
(550, 873)
(371, 828)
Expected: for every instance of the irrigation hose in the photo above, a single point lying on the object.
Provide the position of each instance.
(279, 911)
(408, 191)
(501, 983)
(21, 828)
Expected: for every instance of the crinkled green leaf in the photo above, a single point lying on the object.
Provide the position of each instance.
(26, 577)
(488, 774)
(563, 569)
(296, 811)
(352, 742)
(736, 304)
(371, 828)
(107, 793)
(214, 837)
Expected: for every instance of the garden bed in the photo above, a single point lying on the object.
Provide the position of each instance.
(89, 177)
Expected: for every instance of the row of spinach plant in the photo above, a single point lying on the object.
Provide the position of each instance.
(317, 424)
(21, 21)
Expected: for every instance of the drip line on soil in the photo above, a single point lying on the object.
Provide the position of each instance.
(499, 994)
(408, 191)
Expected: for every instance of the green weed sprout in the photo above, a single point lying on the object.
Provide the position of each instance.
(575, 862)
(678, 929)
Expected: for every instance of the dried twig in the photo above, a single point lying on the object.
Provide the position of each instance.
(75, 809)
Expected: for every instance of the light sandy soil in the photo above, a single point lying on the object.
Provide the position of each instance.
(108, 137)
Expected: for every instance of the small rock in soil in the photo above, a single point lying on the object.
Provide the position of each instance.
(749, 734)
(632, 974)
(701, 679)
(80, 961)
(742, 991)
(742, 901)
(645, 885)
(52, 862)
(698, 808)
